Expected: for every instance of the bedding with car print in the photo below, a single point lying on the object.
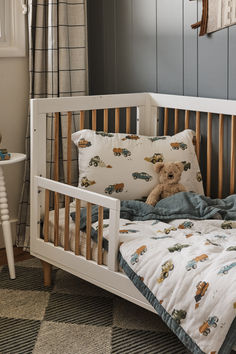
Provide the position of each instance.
(187, 271)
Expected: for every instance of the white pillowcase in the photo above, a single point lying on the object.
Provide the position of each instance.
(122, 165)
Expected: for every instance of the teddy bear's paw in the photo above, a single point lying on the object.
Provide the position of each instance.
(151, 201)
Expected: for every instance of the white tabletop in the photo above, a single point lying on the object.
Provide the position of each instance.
(15, 157)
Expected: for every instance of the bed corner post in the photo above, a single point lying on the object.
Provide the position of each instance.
(47, 273)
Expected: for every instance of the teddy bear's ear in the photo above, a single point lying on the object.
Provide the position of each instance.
(158, 166)
(180, 166)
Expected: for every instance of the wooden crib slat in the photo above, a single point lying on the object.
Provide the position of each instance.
(46, 216)
(67, 223)
(94, 119)
(100, 234)
(105, 120)
(81, 122)
(166, 115)
(198, 134)
(56, 219)
(128, 119)
(186, 122)
(88, 231)
(77, 226)
(233, 154)
(69, 118)
(176, 121)
(220, 162)
(117, 120)
(209, 153)
(56, 177)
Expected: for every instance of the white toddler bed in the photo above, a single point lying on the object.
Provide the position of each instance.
(177, 111)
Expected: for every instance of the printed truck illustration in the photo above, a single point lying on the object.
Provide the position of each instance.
(96, 161)
(177, 247)
(231, 248)
(139, 252)
(225, 269)
(205, 327)
(193, 263)
(177, 146)
(154, 158)
(84, 143)
(128, 231)
(120, 151)
(179, 315)
(226, 225)
(142, 175)
(166, 268)
(131, 137)
(187, 165)
(202, 287)
(167, 231)
(85, 182)
(156, 138)
(199, 176)
(109, 135)
(186, 225)
(118, 188)
(5, 156)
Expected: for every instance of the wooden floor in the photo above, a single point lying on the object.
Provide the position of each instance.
(19, 255)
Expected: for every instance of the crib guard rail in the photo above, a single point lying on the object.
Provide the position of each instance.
(46, 186)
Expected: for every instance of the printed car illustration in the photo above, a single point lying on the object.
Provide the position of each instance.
(84, 143)
(186, 225)
(231, 248)
(85, 182)
(120, 151)
(226, 268)
(154, 158)
(179, 315)
(193, 263)
(104, 226)
(96, 161)
(199, 176)
(166, 268)
(177, 247)
(139, 252)
(205, 327)
(114, 188)
(167, 231)
(142, 175)
(155, 138)
(177, 146)
(127, 231)
(209, 242)
(105, 134)
(201, 290)
(4, 156)
(187, 165)
(131, 137)
(226, 225)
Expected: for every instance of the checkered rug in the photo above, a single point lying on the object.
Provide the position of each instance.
(74, 316)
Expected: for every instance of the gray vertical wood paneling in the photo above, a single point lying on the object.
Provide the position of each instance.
(190, 43)
(109, 45)
(170, 46)
(124, 46)
(232, 63)
(144, 45)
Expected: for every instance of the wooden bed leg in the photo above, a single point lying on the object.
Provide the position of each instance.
(47, 272)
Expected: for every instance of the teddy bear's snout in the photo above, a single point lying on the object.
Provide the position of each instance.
(170, 175)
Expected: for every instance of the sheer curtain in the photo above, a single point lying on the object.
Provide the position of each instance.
(57, 68)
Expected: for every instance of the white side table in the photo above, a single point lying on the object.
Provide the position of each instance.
(6, 227)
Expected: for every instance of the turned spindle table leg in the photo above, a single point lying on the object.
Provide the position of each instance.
(6, 225)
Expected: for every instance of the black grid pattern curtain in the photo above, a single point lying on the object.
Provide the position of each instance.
(57, 68)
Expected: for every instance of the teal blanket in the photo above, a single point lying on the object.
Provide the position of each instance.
(183, 205)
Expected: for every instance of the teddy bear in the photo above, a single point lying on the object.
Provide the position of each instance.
(169, 176)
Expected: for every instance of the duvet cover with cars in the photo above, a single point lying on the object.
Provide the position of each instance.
(187, 271)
